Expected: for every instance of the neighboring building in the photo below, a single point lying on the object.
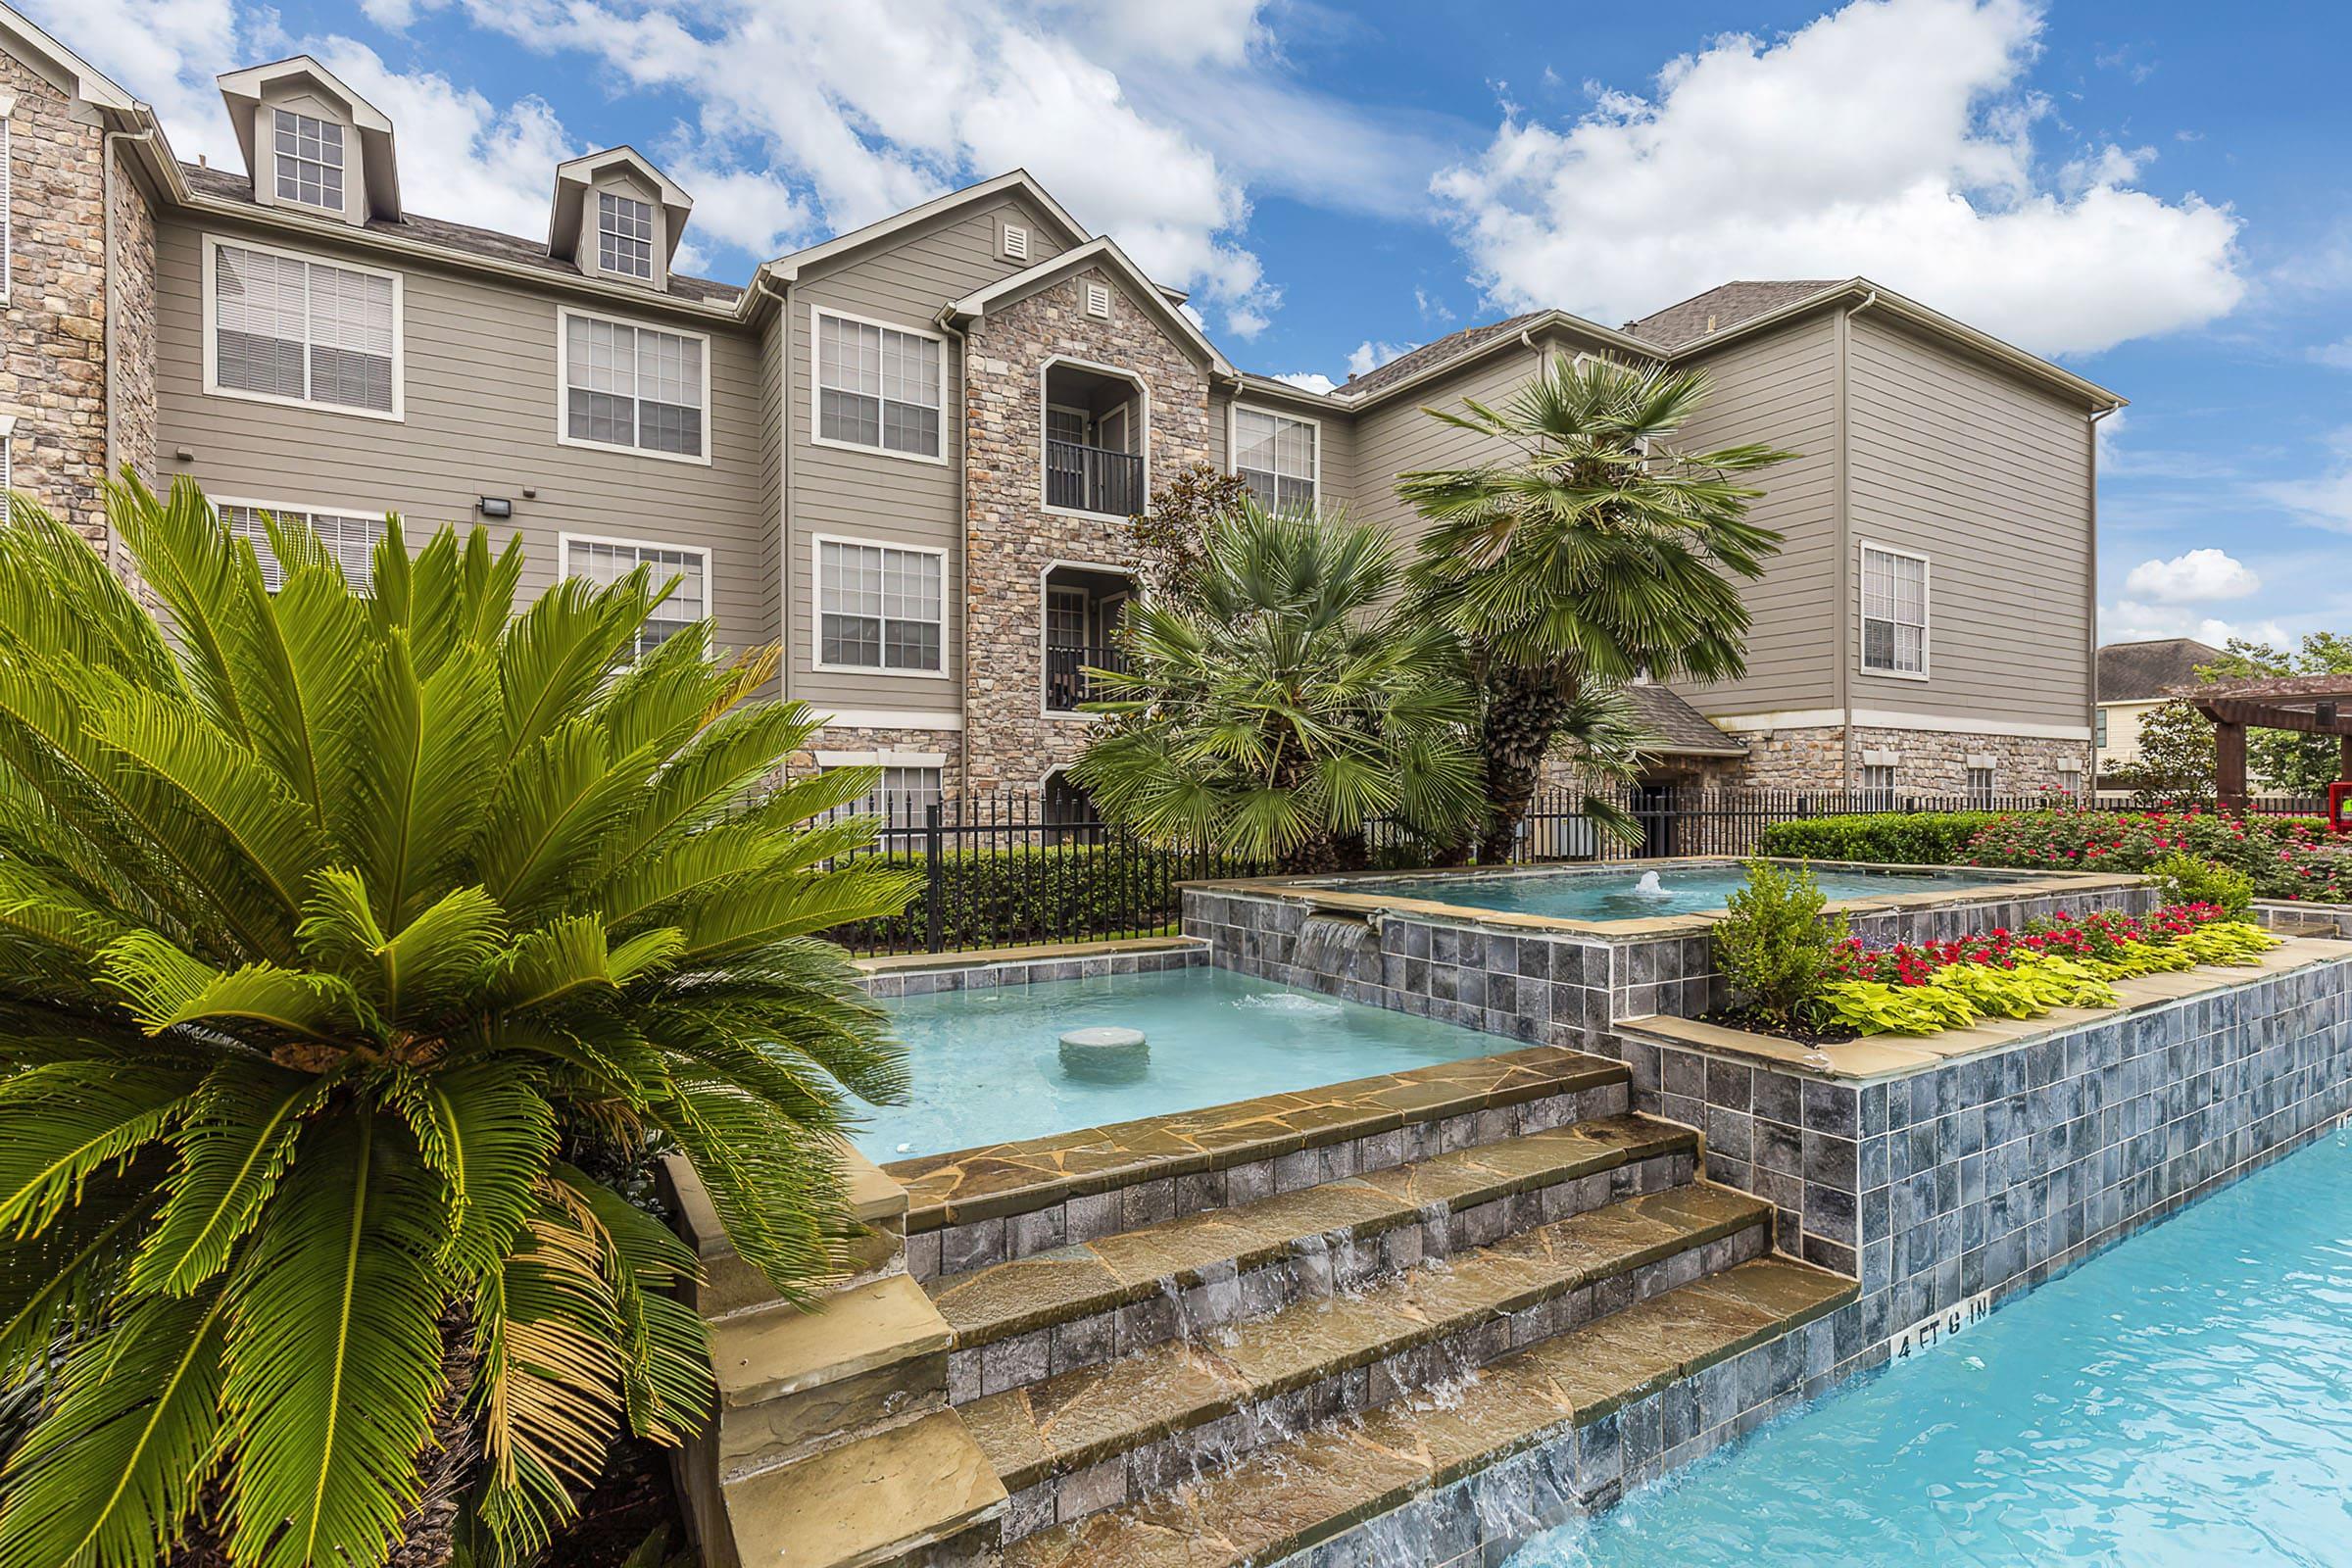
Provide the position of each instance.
(2134, 678)
(906, 454)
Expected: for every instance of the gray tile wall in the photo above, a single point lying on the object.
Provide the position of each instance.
(1029, 972)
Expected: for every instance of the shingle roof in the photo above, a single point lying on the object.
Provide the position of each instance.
(1720, 309)
(1681, 729)
(462, 239)
(1434, 353)
(2142, 673)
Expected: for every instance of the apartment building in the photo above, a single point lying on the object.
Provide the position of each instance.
(907, 454)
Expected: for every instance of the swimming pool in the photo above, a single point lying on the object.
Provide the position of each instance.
(2183, 1399)
(987, 1064)
(1630, 895)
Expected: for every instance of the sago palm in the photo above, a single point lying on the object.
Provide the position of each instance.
(1593, 549)
(337, 926)
(1283, 704)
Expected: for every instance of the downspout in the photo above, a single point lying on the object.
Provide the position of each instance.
(762, 282)
(963, 553)
(107, 342)
(2091, 597)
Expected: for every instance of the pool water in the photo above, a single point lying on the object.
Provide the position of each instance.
(1619, 896)
(2183, 1399)
(987, 1064)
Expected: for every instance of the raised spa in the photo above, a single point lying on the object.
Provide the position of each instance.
(988, 1065)
(1637, 892)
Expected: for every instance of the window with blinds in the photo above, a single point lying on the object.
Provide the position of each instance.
(290, 328)
(879, 607)
(1894, 612)
(8, 467)
(1275, 456)
(8, 208)
(634, 387)
(605, 562)
(309, 160)
(349, 537)
(625, 235)
(878, 387)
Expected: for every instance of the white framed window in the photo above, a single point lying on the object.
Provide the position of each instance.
(902, 797)
(349, 536)
(284, 327)
(1894, 612)
(309, 158)
(1279, 457)
(630, 388)
(625, 235)
(8, 205)
(878, 388)
(1980, 784)
(2098, 728)
(8, 455)
(1878, 784)
(880, 608)
(605, 562)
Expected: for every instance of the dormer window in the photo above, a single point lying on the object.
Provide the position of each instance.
(309, 160)
(625, 235)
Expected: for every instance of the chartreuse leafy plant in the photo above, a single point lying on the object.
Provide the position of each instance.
(334, 924)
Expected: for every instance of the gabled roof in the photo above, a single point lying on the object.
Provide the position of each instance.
(2145, 671)
(1430, 358)
(1106, 253)
(788, 268)
(574, 176)
(242, 91)
(91, 84)
(1720, 309)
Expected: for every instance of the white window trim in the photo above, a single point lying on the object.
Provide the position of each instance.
(653, 243)
(8, 197)
(1141, 401)
(211, 331)
(343, 168)
(817, 607)
(564, 542)
(7, 465)
(816, 436)
(1233, 442)
(1044, 592)
(1927, 610)
(307, 509)
(564, 436)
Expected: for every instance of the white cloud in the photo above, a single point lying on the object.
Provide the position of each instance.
(2130, 621)
(1312, 380)
(2338, 353)
(2193, 577)
(166, 52)
(1369, 356)
(1891, 138)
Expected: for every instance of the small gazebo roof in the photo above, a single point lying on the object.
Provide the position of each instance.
(2314, 704)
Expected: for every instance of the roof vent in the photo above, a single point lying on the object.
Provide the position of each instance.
(1017, 242)
(1097, 299)
(1710, 323)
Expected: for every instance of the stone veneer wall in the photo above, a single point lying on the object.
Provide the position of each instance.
(1564, 990)
(1987, 1175)
(51, 354)
(1010, 538)
(1930, 762)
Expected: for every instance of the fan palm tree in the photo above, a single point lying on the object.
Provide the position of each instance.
(1284, 704)
(1595, 550)
(338, 927)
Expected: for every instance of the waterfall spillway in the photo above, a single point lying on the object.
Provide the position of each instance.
(1330, 941)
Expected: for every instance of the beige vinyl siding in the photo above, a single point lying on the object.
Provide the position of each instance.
(887, 498)
(1397, 436)
(480, 419)
(1988, 478)
(1782, 389)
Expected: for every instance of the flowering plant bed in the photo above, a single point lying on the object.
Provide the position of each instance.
(2064, 962)
(2287, 857)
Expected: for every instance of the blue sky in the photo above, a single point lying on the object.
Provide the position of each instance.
(2153, 192)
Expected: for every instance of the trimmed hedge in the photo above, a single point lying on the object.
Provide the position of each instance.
(1890, 838)
(1063, 893)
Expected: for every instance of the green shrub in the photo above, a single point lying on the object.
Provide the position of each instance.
(1059, 892)
(2193, 879)
(1775, 945)
(2286, 858)
(1886, 837)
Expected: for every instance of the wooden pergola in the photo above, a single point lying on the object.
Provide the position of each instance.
(2314, 705)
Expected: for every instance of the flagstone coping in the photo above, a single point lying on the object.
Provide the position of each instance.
(992, 1181)
(871, 1501)
(1080, 1418)
(786, 1349)
(1295, 1494)
(1013, 1297)
(1894, 1055)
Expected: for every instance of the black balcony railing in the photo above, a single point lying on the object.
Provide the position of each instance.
(1067, 683)
(1083, 479)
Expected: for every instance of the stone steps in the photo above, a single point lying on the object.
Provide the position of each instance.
(1021, 1321)
(1105, 1435)
(1408, 1475)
